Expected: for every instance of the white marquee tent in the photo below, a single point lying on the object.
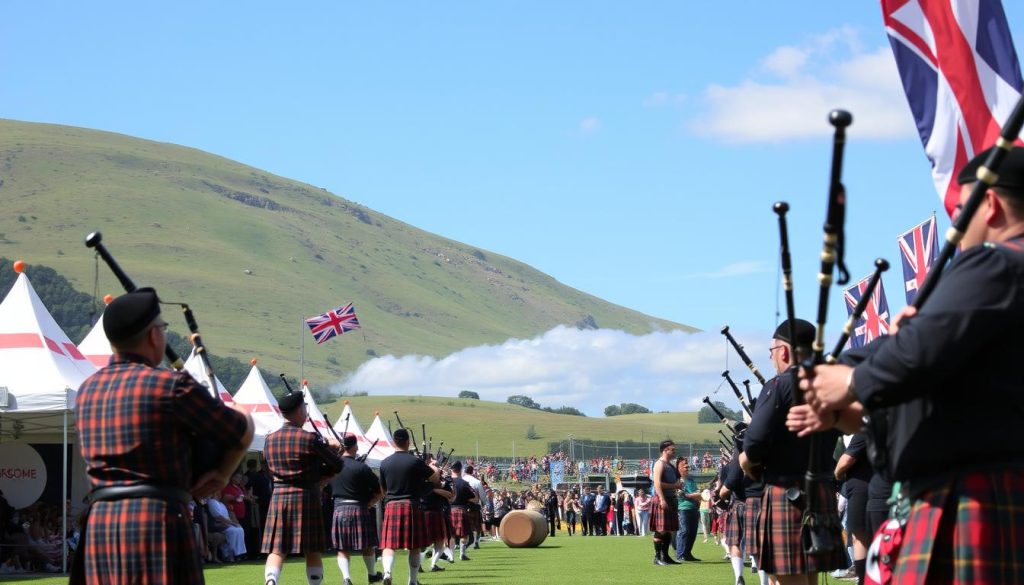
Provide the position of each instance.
(254, 397)
(194, 365)
(385, 445)
(317, 422)
(96, 347)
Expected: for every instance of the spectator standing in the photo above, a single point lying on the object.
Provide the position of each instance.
(643, 511)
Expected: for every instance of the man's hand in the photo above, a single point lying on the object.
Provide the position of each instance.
(210, 482)
(750, 469)
(803, 420)
(905, 313)
(826, 388)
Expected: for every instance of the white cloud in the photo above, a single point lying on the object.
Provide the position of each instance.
(660, 99)
(586, 369)
(590, 125)
(796, 86)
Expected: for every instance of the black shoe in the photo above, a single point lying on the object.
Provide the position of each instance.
(386, 580)
(463, 557)
(421, 569)
(445, 557)
(691, 559)
(347, 582)
(657, 555)
(377, 578)
(740, 581)
(476, 545)
(436, 568)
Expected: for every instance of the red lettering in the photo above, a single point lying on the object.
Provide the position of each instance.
(18, 473)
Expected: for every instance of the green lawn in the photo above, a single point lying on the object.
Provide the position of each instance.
(562, 560)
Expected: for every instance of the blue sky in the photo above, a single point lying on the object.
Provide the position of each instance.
(630, 150)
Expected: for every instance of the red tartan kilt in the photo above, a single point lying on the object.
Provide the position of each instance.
(141, 540)
(970, 530)
(781, 545)
(353, 528)
(435, 525)
(295, 522)
(461, 521)
(403, 526)
(751, 511)
(735, 533)
(664, 520)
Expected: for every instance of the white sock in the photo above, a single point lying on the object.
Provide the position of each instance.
(451, 554)
(343, 565)
(423, 556)
(753, 563)
(737, 566)
(271, 575)
(725, 545)
(314, 575)
(437, 555)
(371, 564)
(388, 562)
(764, 577)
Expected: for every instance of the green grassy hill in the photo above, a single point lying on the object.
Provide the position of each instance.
(463, 423)
(253, 253)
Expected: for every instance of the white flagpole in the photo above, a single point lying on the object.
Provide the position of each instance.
(302, 349)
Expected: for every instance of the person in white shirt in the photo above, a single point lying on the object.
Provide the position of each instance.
(234, 534)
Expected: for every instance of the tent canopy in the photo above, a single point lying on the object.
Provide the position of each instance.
(255, 397)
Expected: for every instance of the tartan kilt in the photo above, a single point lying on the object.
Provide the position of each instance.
(735, 532)
(664, 520)
(781, 549)
(353, 528)
(435, 525)
(751, 511)
(141, 541)
(403, 526)
(461, 521)
(295, 522)
(970, 530)
(476, 519)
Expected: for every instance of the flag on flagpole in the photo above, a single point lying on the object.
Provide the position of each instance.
(874, 322)
(333, 323)
(919, 248)
(961, 76)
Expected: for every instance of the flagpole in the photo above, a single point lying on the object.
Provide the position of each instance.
(302, 348)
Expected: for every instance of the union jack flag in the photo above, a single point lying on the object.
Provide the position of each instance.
(961, 76)
(333, 323)
(874, 322)
(919, 247)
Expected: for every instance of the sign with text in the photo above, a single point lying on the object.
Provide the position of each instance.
(22, 474)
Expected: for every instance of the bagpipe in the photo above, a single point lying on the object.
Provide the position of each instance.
(206, 455)
(721, 416)
(739, 395)
(743, 356)
(819, 532)
(440, 459)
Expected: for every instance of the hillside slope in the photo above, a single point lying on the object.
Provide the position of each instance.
(254, 253)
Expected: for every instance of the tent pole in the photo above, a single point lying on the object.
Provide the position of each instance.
(64, 499)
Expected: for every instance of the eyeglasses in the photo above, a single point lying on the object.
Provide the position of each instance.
(162, 326)
(773, 348)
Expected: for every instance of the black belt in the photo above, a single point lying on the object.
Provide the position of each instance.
(161, 492)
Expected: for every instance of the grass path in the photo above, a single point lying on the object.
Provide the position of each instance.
(562, 560)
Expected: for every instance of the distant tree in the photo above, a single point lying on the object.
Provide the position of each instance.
(531, 433)
(524, 401)
(626, 408)
(563, 410)
(469, 394)
(706, 415)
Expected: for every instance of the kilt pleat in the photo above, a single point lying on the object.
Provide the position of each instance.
(295, 522)
(462, 519)
(141, 541)
(476, 519)
(781, 550)
(435, 524)
(403, 526)
(970, 530)
(664, 520)
(751, 512)
(735, 533)
(353, 528)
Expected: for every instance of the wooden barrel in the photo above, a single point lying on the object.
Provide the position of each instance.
(523, 529)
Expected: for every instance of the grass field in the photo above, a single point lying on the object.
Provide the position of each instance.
(493, 426)
(562, 560)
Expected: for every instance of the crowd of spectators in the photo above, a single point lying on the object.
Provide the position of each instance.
(532, 469)
(31, 539)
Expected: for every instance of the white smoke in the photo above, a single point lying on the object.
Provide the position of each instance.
(585, 369)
